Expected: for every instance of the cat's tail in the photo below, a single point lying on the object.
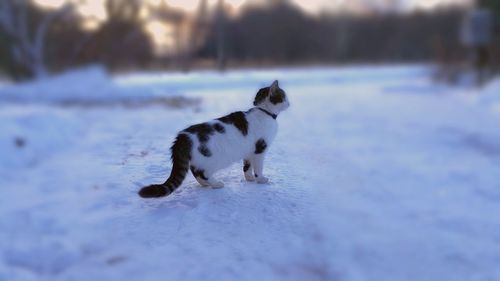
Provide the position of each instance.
(181, 155)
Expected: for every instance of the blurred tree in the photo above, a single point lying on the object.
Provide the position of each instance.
(199, 31)
(8, 62)
(66, 38)
(493, 6)
(220, 34)
(278, 32)
(121, 40)
(23, 32)
(175, 19)
(201, 25)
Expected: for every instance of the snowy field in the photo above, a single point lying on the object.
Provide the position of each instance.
(376, 174)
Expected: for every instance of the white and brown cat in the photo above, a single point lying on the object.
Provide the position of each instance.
(208, 147)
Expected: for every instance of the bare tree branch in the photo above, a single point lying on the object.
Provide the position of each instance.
(28, 49)
(38, 46)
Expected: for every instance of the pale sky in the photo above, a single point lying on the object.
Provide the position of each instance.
(95, 7)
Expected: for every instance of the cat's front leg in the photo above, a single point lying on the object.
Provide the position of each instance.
(258, 167)
(248, 170)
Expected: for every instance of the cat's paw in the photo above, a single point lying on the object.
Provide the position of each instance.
(203, 183)
(249, 177)
(262, 180)
(217, 184)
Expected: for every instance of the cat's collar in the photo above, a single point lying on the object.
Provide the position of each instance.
(274, 116)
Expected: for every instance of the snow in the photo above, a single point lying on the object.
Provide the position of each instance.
(490, 95)
(376, 174)
(89, 86)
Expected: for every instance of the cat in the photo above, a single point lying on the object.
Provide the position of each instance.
(208, 147)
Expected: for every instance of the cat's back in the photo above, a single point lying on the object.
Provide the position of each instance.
(219, 142)
(222, 141)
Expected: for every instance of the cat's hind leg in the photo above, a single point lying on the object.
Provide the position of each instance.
(213, 182)
(248, 170)
(206, 178)
(200, 177)
(202, 182)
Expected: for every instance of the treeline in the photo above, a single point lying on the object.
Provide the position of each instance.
(34, 41)
(284, 34)
(279, 33)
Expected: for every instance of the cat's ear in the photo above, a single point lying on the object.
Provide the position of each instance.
(274, 87)
(261, 95)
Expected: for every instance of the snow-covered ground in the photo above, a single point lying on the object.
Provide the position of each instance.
(376, 174)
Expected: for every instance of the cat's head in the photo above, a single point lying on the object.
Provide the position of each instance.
(272, 98)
